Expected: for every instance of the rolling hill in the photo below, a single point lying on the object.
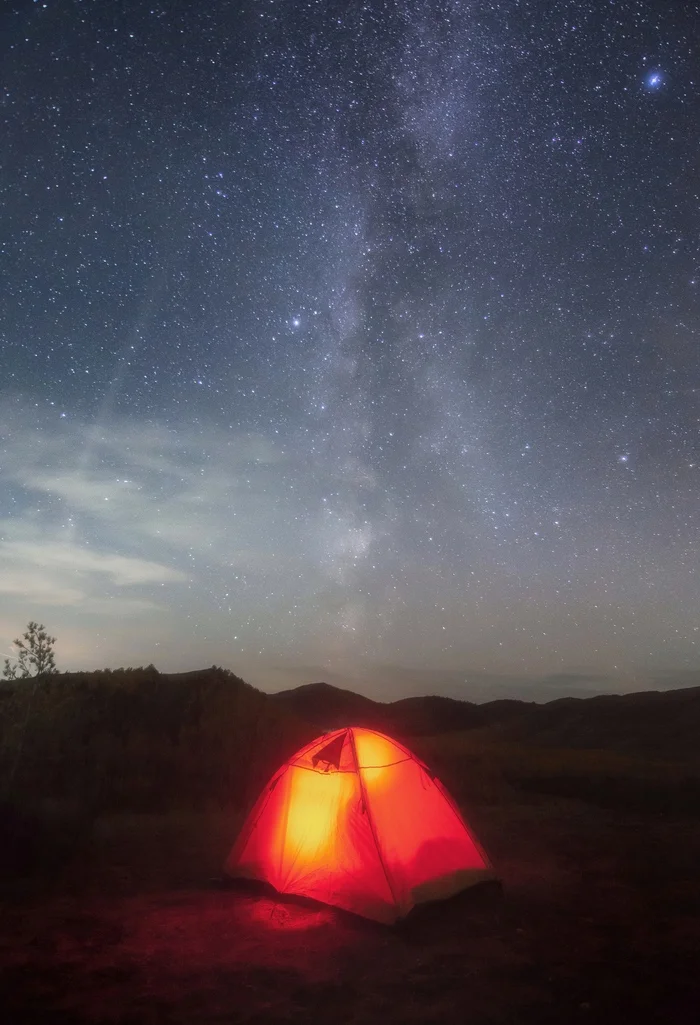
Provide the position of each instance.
(142, 740)
(653, 724)
(650, 724)
(328, 707)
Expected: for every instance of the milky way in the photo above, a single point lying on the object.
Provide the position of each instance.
(342, 340)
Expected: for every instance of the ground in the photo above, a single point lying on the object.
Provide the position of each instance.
(598, 921)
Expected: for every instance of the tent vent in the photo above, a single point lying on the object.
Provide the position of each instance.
(329, 756)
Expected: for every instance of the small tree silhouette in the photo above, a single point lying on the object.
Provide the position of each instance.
(35, 657)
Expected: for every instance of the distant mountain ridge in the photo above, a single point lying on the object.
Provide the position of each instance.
(328, 706)
(655, 724)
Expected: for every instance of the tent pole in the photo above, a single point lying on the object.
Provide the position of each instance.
(368, 812)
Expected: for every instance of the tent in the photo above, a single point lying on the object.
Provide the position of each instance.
(356, 820)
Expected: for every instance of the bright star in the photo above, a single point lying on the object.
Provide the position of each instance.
(654, 80)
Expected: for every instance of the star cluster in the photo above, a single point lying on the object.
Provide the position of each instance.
(339, 338)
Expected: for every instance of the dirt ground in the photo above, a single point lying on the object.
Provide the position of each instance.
(599, 921)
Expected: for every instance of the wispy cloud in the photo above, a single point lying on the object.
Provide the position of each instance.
(134, 516)
(190, 491)
(103, 519)
(138, 522)
(72, 560)
(53, 572)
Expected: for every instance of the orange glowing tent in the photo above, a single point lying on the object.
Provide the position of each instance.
(356, 820)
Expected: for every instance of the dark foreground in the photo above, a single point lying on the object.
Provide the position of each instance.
(599, 921)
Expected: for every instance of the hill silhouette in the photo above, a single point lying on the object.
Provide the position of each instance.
(653, 724)
(658, 724)
(140, 739)
(329, 707)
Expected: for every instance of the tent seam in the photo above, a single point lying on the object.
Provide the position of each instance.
(370, 819)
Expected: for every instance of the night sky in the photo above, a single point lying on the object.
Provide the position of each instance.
(354, 342)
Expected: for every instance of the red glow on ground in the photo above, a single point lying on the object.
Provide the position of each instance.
(287, 917)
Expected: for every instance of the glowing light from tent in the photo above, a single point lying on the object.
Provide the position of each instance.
(374, 753)
(374, 839)
(316, 802)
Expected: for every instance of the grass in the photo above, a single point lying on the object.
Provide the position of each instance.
(599, 920)
(474, 766)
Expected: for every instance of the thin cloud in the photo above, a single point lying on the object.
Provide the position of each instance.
(73, 559)
(59, 573)
(190, 492)
(26, 583)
